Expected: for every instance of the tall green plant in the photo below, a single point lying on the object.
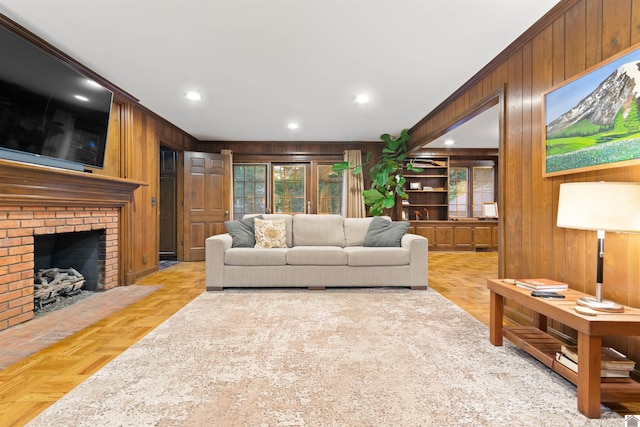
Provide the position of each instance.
(387, 177)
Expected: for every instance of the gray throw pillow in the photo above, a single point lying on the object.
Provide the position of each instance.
(385, 233)
(242, 232)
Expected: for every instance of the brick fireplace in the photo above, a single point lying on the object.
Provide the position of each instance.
(19, 226)
(36, 201)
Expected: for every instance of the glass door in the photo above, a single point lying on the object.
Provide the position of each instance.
(329, 190)
(290, 194)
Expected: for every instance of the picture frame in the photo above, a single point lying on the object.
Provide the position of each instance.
(591, 121)
(415, 185)
(490, 210)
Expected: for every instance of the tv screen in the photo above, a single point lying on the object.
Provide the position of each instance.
(49, 113)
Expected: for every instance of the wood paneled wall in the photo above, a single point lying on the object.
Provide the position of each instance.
(143, 133)
(572, 37)
(252, 151)
(133, 152)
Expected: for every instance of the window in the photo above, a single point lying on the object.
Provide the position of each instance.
(458, 192)
(286, 188)
(289, 188)
(483, 188)
(329, 190)
(249, 189)
(469, 188)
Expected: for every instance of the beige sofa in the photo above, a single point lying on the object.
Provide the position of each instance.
(322, 250)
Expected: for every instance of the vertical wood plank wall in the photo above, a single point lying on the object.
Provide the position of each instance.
(134, 153)
(572, 37)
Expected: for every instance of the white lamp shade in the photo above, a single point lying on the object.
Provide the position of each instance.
(608, 206)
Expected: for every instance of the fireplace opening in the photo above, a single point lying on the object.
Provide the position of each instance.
(79, 251)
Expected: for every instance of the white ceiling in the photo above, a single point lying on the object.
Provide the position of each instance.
(482, 131)
(260, 64)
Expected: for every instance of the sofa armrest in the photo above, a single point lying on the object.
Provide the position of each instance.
(215, 247)
(418, 259)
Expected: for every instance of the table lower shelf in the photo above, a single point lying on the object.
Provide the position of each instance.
(544, 347)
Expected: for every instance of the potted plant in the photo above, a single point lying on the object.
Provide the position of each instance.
(387, 178)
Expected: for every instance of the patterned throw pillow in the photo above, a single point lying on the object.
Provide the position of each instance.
(270, 233)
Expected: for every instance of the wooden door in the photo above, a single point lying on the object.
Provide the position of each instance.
(206, 200)
(168, 203)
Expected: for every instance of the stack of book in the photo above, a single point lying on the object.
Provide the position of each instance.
(542, 285)
(613, 363)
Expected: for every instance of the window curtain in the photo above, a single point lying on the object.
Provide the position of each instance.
(354, 186)
(229, 153)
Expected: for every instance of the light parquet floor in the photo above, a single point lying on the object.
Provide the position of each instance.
(31, 385)
(34, 383)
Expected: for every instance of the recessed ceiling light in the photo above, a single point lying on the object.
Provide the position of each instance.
(293, 126)
(449, 142)
(362, 99)
(81, 98)
(193, 96)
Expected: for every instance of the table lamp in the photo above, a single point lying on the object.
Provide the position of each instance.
(600, 206)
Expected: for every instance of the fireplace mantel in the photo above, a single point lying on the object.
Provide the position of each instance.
(23, 184)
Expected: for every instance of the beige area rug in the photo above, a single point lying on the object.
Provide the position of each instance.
(353, 357)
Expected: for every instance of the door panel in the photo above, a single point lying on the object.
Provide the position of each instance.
(206, 200)
(168, 203)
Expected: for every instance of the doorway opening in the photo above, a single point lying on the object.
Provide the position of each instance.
(168, 206)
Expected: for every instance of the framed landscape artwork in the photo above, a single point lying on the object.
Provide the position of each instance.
(592, 121)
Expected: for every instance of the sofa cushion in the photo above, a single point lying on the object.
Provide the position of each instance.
(270, 233)
(318, 230)
(288, 223)
(242, 232)
(356, 228)
(316, 255)
(255, 256)
(359, 256)
(385, 233)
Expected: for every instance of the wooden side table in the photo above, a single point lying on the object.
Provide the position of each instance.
(535, 341)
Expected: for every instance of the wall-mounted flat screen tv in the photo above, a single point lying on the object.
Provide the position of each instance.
(50, 113)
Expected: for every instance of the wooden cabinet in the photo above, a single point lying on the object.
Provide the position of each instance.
(463, 237)
(428, 190)
(439, 234)
(444, 237)
(427, 230)
(494, 237)
(458, 235)
(482, 236)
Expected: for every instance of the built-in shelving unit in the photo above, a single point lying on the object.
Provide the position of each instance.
(428, 190)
